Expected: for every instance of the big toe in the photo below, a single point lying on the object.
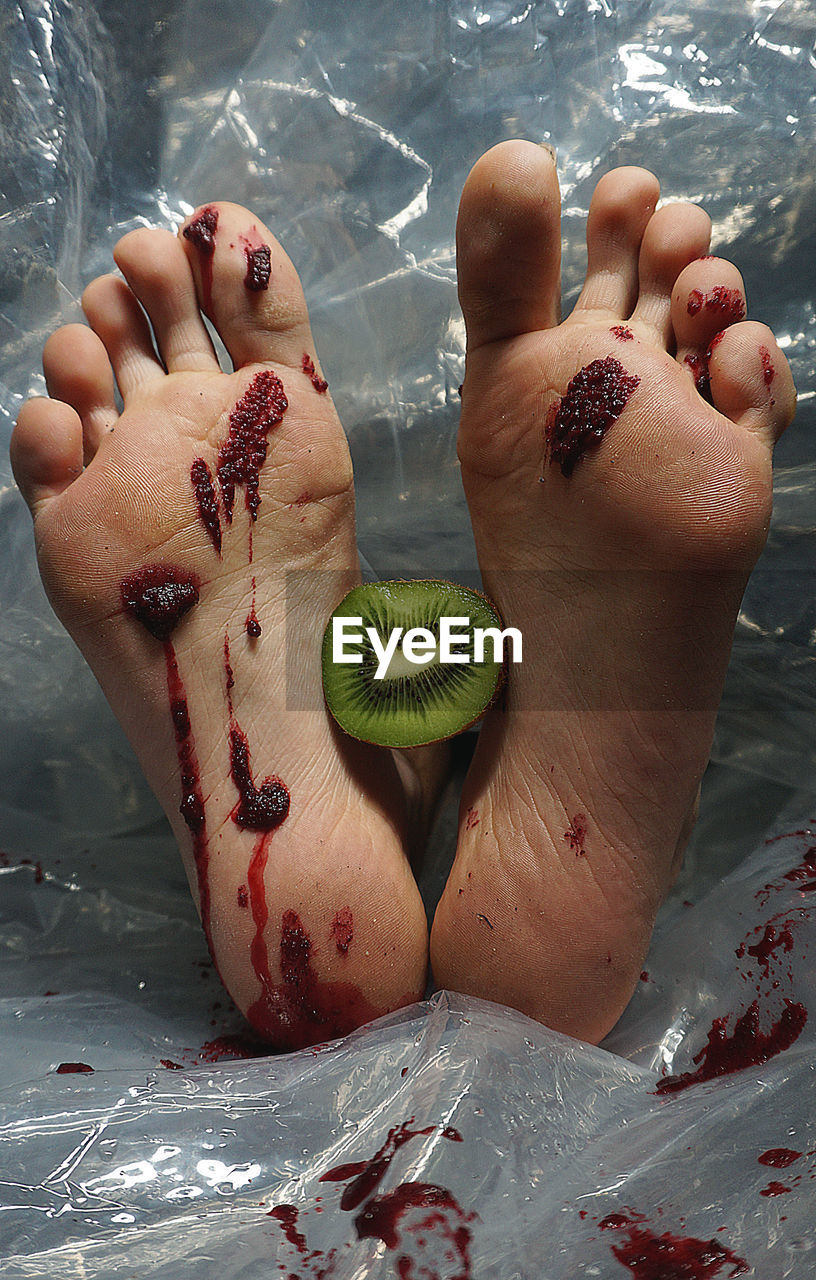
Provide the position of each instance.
(508, 243)
(248, 287)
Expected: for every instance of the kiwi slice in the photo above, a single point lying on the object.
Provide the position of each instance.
(396, 702)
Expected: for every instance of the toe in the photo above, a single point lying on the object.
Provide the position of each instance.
(114, 313)
(621, 207)
(676, 235)
(247, 286)
(46, 450)
(157, 270)
(751, 381)
(508, 244)
(707, 297)
(78, 372)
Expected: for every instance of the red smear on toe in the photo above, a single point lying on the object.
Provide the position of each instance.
(726, 303)
(575, 835)
(258, 259)
(74, 1068)
(201, 234)
(650, 1256)
(243, 453)
(472, 819)
(767, 366)
(342, 930)
(779, 1157)
(207, 500)
(594, 400)
(320, 385)
(158, 597)
(746, 1046)
(622, 332)
(698, 364)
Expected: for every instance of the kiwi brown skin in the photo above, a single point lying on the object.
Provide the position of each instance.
(501, 669)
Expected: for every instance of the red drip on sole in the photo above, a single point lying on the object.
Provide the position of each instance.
(243, 453)
(320, 385)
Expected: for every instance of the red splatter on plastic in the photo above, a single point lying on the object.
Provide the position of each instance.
(622, 332)
(342, 930)
(201, 234)
(650, 1256)
(802, 876)
(779, 1157)
(74, 1068)
(320, 385)
(287, 1216)
(243, 453)
(575, 835)
(746, 1046)
(644, 977)
(432, 1208)
(775, 1189)
(594, 400)
(207, 500)
(772, 940)
(243, 896)
(364, 1176)
(472, 819)
(158, 596)
(767, 366)
(228, 1048)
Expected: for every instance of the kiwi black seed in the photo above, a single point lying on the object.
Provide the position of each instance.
(411, 704)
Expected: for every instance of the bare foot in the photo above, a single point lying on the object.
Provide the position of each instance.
(194, 546)
(618, 510)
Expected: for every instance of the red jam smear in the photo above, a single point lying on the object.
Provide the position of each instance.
(434, 1210)
(728, 304)
(201, 479)
(287, 1216)
(201, 234)
(74, 1068)
(320, 385)
(650, 1256)
(622, 332)
(575, 835)
(746, 1046)
(259, 268)
(243, 453)
(593, 401)
(158, 596)
(342, 930)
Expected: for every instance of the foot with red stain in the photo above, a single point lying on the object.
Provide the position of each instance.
(194, 545)
(618, 472)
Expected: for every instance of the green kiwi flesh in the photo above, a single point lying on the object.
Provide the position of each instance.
(411, 704)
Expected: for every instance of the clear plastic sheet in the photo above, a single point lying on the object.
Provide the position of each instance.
(350, 130)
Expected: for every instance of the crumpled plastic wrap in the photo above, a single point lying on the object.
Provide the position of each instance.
(460, 1138)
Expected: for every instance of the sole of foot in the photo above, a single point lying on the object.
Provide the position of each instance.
(617, 468)
(194, 545)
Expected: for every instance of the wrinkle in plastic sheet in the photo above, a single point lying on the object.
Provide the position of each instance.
(352, 139)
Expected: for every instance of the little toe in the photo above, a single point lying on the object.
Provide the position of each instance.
(751, 381)
(45, 450)
(157, 270)
(508, 244)
(676, 235)
(78, 372)
(247, 286)
(620, 211)
(114, 313)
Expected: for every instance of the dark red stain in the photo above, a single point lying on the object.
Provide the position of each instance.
(287, 1216)
(698, 364)
(381, 1219)
(594, 400)
(779, 1157)
(622, 332)
(746, 1046)
(802, 876)
(170, 1065)
(364, 1176)
(243, 896)
(767, 366)
(472, 819)
(775, 1189)
(228, 1048)
(158, 597)
(201, 234)
(260, 808)
(650, 1256)
(320, 385)
(259, 268)
(243, 453)
(73, 1068)
(207, 500)
(575, 835)
(342, 930)
(252, 625)
(725, 303)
